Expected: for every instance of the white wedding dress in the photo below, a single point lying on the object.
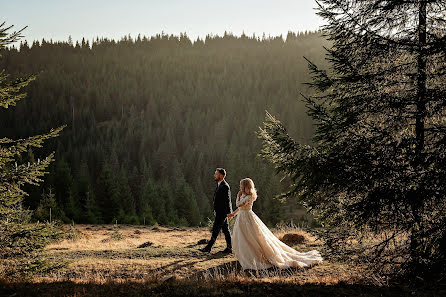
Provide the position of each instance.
(256, 247)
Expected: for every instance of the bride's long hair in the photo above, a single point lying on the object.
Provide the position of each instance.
(249, 188)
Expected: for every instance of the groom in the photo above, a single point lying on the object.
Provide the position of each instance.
(222, 206)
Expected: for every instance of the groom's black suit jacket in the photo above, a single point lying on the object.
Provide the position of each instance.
(222, 199)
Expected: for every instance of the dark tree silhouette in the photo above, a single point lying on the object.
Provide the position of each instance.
(377, 163)
(18, 238)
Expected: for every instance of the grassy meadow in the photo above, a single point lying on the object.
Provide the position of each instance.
(164, 261)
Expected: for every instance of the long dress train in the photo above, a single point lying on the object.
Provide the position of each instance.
(256, 247)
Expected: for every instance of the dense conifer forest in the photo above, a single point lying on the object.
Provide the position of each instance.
(150, 118)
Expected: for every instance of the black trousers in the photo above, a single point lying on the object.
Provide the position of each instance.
(220, 223)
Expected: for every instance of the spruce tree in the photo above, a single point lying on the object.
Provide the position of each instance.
(48, 210)
(126, 200)
(63, 181)
(147, 199)
(20, 241)
(85, 194)
(108, 195)
(166, 195)
(377, 161)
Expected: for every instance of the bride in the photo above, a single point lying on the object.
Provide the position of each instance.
(254, 245)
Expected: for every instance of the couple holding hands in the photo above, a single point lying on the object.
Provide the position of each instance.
(254, 245)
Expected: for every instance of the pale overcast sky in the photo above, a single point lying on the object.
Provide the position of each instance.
(57, 19)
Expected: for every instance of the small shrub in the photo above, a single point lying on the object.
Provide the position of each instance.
(293, 238)
(116, 235)
(74, 234)
(145, 244)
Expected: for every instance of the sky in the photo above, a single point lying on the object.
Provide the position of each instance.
(58, 19)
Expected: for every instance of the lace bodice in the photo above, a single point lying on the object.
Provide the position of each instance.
(244, 199)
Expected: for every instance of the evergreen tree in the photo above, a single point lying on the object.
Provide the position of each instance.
(90, 212)
(48, 210)
(166, 194)
(159, 209)
(108, 195)
(147, 200)
(377, 163)
(85, 194)
(126, 200)
(62, 180)
(192, 214)
(34, 193)
(18, 238)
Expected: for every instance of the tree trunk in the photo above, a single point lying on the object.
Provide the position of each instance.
(421, 80)
(417, 196)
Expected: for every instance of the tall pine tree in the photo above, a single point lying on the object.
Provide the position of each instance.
(20, 241)
(377, 162)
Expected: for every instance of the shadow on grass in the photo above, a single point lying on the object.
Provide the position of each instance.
(206, 288)
(217, 255)
(234, 268)
(218, 272)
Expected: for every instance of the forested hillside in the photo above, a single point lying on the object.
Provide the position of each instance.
(149, 120)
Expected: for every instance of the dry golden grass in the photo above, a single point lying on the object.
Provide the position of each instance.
(105, 260)
(98, 255)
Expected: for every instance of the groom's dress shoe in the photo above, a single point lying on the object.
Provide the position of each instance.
(205, 249)
(227, 251)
